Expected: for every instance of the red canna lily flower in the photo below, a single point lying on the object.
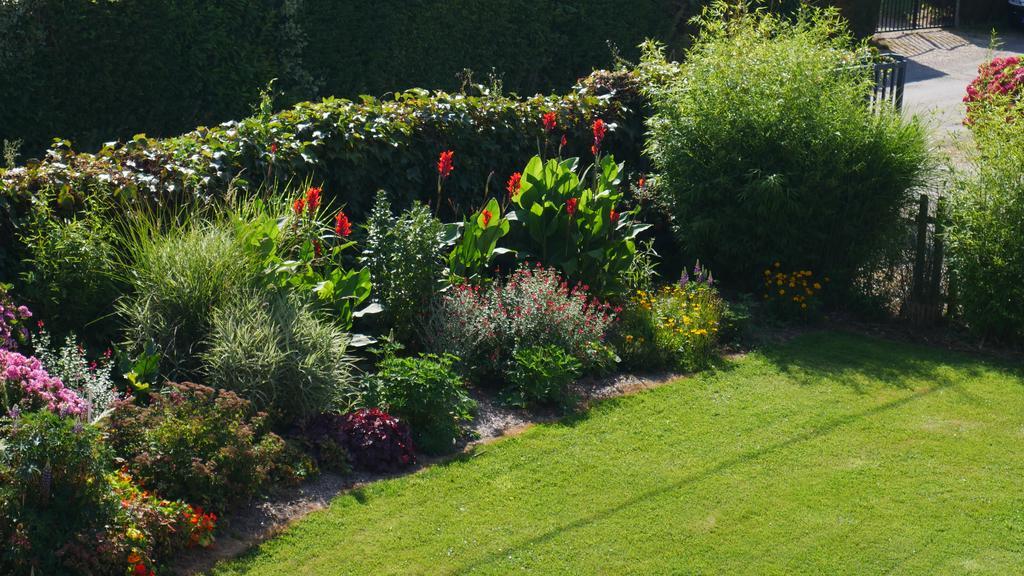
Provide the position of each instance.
(445, 163)
(600, 129)
(342, 225)
(299, 205)
(515, 182)
(564, 142)
(313, 198)
(487, 216)
(614, 216)
(550, 122)
(570, 206)
(642, 182)
(273, 147)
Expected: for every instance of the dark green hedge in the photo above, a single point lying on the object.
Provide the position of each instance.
(94, 71)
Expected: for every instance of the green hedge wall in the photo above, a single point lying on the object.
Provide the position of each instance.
(93, 71)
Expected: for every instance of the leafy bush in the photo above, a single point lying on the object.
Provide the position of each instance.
(579, 227)
(471, 258)
(13, 322)
(69, 279)
(26, 385)
(178, 277)
(406, 263)
(765, 139)
(676, 327)
(281, 354)
(426, 393)
(195, 443)
(62, 512)
(377, 442)
(541, 375)
(53, 495)
(483, 326)
(985, 232)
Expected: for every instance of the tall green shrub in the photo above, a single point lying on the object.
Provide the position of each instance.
(767, 144)
(985, 233)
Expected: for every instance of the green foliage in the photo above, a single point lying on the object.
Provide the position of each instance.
(426, 393)
(985, 232)
(280, 353)
(577, 226)
(303, 255)
(765, 140)
(205, 62)
(192, 442)
(541, 375)
(52, 490)
(469, 260)
(69, 280)
(406, 261)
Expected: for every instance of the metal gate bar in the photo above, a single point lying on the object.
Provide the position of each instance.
(915, 14)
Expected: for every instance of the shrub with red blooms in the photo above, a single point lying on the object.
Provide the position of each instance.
(999, 82)
(377, 442)
(534, 306)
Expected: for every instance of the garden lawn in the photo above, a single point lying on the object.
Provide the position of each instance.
(830, 454)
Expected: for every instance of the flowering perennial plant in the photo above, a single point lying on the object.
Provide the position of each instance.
(26, 385)
(795, 293)
(90, 379)
(13, 329)
(675, 327)
(999, 82)
(535, 306)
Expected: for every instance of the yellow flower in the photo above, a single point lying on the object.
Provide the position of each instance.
(804, 306)
(817, 286)
(629, 337)
(782, 292)
(133, 534)
(777, 264)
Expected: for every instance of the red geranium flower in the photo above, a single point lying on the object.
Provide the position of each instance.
(515, 182)
(342, 225)
(487, 216)
(313, 198)
(570, 206)
(550, 122)
(445, 163)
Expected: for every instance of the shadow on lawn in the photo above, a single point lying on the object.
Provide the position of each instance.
(854, 361)
(847, 359)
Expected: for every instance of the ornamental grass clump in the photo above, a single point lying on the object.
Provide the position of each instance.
(534, 306)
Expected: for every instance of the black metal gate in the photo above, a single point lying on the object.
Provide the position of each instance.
(915, 14)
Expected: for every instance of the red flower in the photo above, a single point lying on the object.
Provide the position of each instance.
(570, 206)
(514, 184)
(299, 205)
(318, 248)
(564, 141)
(614, 216)
(273, 147)
(445, 164)
(140, 569)
(599, 132)
(641, 183)
(313, 198)
(550, 122)
(487, 216)
(342, 225)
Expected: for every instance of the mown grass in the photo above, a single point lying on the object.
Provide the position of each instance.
(833, 454)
